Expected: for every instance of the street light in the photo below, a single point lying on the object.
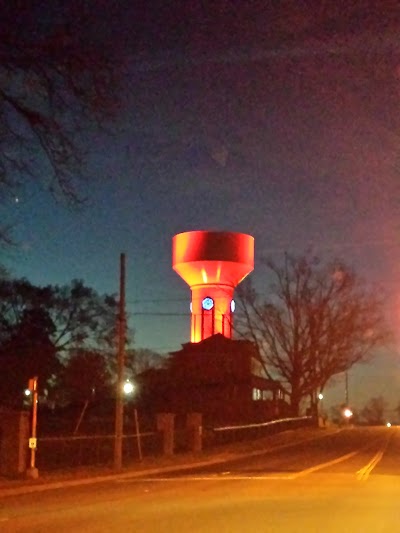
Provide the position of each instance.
(129, 388)
(347, 413)
(320, 413)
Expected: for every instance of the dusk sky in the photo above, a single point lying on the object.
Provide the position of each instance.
(294, 142)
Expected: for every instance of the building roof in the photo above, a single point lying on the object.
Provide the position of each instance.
(220, 343)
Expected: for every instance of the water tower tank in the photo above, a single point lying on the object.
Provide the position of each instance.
(212, 263)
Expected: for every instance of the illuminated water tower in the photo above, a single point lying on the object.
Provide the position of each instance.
(212, 263)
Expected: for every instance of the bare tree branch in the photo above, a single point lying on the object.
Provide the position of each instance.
(58, 80)
(314, 322)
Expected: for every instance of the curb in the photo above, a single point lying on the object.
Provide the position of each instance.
(43, 485)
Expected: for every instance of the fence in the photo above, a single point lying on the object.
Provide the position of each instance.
(98, 450)
(93, 450)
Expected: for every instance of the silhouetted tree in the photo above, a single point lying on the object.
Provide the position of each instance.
(82, 317)
(373, 413)
(313, 322)
(84, 378)
(142, 359)
(39, 325)
(27, 352)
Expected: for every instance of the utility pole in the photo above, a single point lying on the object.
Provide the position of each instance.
(119, 402)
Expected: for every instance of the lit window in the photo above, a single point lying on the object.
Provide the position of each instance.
(256, 394)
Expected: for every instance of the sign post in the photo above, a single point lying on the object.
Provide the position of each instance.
(32, 471)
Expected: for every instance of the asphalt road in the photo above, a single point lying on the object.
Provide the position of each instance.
(348, 481)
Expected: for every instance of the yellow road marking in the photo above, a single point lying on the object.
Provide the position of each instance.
(364, 472)
(324, 465)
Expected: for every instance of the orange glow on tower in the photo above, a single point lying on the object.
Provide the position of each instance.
(212, 263)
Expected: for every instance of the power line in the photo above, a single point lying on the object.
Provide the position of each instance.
(157, 300)
(157, 314)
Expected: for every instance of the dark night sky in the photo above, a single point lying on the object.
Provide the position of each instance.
(237, 125)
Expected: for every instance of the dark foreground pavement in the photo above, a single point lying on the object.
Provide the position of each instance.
(155, 465)
(345, 481)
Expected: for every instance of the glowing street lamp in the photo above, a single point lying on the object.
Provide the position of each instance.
(128, 387)
(319, 410)
(347, 413)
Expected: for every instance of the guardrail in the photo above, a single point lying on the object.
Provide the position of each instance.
(229, 434)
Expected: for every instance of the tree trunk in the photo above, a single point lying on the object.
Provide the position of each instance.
(295, 397)
(294, 404)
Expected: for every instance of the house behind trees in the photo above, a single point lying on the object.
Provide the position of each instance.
(219, 377)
